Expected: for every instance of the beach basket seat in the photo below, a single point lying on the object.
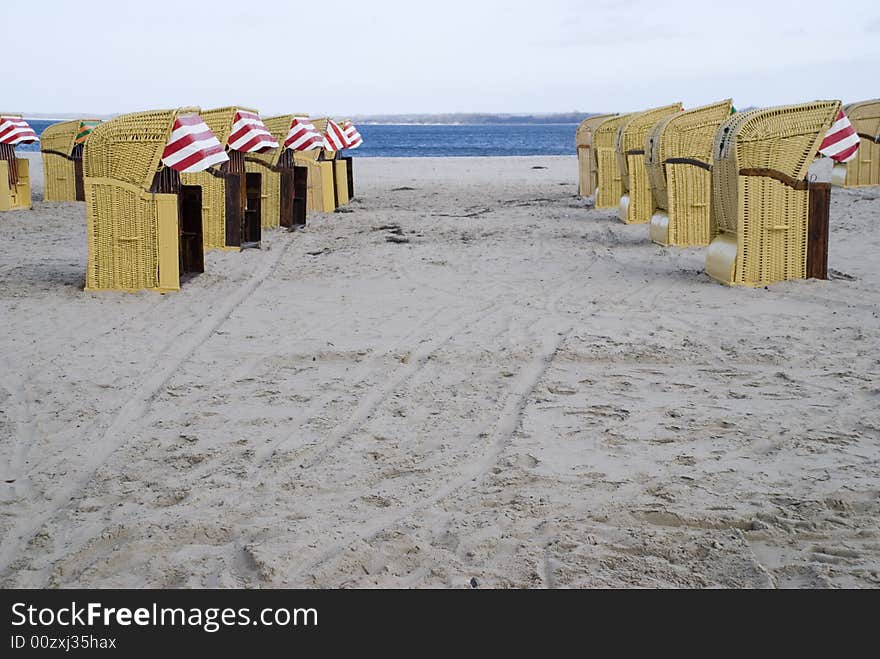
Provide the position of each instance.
(322, 174)
(609, 183)
(587, 166)
(15, 179)
(636, 204)
(62, 149)
(284, 185)
(144, 227)
(678, 161)
(864, 169)
(760, 193)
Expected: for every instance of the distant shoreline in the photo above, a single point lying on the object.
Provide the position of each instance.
(440, 119)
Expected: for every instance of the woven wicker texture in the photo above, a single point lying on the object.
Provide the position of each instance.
(609, 184)
(763, 220)
(220, 121)
(60, 137)
(121, 158)
(864, 169)
(129, 148)
(59, 171)
(683, 189)
(637, 203)
(587, 166)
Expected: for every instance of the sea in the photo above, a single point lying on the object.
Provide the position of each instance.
(412, 141)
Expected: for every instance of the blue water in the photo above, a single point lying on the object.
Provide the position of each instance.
(433, 141)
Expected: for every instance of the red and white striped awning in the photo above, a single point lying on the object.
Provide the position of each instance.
(192, 146)
(249, 134)
(334, 137)
(352, 136)
(15, 130)
(841, 142)
(303, 135)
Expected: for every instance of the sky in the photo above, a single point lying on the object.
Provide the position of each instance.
(398, 57)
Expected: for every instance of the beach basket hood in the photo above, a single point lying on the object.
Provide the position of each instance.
(684, 136)
(129, 148)
(62, 138)
(760, 195)
(632, 135)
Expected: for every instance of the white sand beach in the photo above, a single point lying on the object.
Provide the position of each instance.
(519, 391)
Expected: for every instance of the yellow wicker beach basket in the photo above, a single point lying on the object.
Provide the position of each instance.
(62, 161)
(760, 200)
(587, 167)
(280, 202)
(864, 168)
(636, 202)
(214, 200)
(15, 179)
(133, 234)
(321, 195)
(609, 184)
(678, 161)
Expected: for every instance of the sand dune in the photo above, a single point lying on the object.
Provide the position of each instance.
(527, 393)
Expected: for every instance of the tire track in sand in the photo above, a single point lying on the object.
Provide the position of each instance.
(553, 335)
(134, 408)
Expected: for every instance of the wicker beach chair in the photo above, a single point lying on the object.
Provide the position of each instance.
(864, 169)
(321, 195)
(144, 227)
(15, 179)
(609, 184)
(284, 185)
(62, 147)
(587, 166)
(678, 160)
(231, 211)
(760, 193)
(636, 202)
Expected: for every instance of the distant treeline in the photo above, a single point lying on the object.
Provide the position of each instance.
(467, 118)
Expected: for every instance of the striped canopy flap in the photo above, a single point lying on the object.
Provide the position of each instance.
(249, 134)
(303, 136)
(15, 130)
(352, 136)
(334, 137)
(841, 142)
(86, 126)
(192, 146)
